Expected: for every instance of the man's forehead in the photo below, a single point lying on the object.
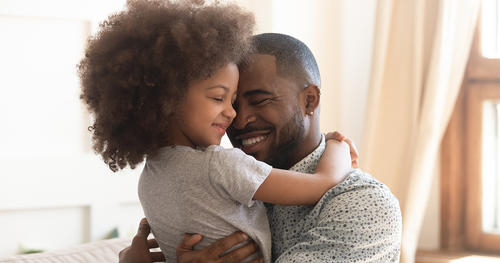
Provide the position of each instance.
(258, 75)
(259, 65)
(263, 61)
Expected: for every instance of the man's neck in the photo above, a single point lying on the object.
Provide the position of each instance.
(308, 145)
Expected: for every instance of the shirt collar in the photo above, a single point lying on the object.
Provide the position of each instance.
(309, 163)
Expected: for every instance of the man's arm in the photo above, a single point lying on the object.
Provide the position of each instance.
(358, 225)
(139, 250)
(211, 254)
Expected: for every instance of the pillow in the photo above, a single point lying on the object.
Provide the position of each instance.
(94, 252)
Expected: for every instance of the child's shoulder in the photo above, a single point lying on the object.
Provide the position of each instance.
(213, 152)
(218, 151)
(221, 150)
(174, 152)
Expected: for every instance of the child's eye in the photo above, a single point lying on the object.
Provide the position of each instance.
(217, 99)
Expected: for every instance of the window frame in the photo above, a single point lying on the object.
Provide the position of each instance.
(461, 207)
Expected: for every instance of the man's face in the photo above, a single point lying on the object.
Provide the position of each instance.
(269, 123)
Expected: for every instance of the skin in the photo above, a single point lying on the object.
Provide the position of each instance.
(138, 251)
(272, 106)
(207, 110)
(287, 116)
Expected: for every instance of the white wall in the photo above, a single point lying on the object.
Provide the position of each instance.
(54, 192)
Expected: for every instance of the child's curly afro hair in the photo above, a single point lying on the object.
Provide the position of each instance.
(137, 67)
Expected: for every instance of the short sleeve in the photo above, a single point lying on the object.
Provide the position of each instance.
(237, 174)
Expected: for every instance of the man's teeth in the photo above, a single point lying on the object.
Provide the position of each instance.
(253, 140)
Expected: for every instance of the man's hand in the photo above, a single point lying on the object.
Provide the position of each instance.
(211, 254)
(138, 251)
(341, 138)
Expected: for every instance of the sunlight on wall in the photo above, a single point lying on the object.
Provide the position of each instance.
(40, 109)
(55, 192)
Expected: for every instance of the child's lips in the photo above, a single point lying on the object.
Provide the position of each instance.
(221, 127)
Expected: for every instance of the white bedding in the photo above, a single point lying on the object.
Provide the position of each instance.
(94, 252)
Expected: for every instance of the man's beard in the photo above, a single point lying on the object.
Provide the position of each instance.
(290, 136)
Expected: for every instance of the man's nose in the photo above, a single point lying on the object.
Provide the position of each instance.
(243, 117)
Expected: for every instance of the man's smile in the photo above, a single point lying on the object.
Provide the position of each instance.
(251, 142)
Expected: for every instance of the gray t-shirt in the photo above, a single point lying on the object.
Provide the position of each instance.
(209, 191)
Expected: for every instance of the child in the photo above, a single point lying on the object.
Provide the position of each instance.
(160, 79)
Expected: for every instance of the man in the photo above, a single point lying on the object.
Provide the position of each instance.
(358, 220)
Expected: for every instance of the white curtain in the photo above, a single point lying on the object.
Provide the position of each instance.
(421, 49)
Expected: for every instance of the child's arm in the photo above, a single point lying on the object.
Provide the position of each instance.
(286, 187)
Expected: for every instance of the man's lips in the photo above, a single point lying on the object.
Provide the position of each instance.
(251, 141)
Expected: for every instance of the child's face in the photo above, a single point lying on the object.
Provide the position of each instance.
(207, 110)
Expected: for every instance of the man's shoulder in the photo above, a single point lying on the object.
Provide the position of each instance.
(360, 188)
(359, 181)
(366, 208)
(357, 220)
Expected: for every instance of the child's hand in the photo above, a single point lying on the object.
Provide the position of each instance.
(341, 138)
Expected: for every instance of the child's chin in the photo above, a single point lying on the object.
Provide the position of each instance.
(215, 142)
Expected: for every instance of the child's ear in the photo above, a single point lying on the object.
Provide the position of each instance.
(310, 99)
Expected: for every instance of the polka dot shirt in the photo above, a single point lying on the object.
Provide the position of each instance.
(358, 220)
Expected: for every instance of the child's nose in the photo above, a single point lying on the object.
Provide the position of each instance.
(230, 112)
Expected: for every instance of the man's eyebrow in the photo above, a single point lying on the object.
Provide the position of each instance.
(256, 92)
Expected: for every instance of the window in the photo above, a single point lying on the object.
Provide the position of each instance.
(490, 167)
(470, 161)
(490, 28)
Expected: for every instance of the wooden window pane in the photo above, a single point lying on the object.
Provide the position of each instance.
(491, 167)
(481, 163)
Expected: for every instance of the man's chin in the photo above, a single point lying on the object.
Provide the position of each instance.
(260, 154)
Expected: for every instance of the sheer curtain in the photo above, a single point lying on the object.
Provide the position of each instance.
(421, 49)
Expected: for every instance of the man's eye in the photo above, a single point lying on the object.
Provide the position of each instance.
(260, 102)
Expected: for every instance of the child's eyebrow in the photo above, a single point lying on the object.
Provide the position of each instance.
(219, 86)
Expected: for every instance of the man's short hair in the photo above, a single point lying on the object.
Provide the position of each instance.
(293, 58)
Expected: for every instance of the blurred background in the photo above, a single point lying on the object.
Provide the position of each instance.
(388, 69)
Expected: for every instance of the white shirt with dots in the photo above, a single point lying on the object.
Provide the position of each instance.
(359, 220)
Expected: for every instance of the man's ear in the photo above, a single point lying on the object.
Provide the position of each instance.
(311, 96)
